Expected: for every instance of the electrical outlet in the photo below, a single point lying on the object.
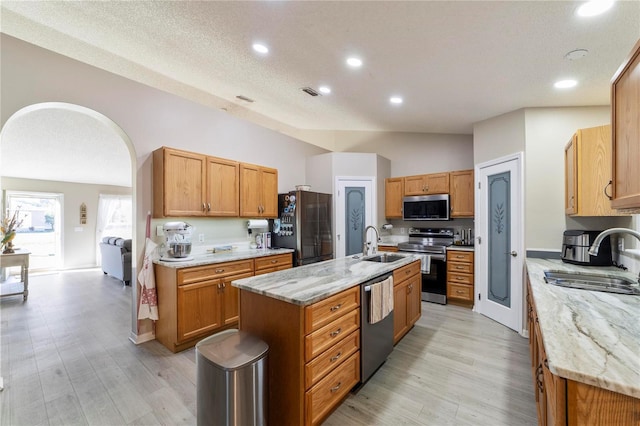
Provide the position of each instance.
(620, 244)
(159, 231)
(201, 238)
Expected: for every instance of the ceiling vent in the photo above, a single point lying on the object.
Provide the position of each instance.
(244, 98)
(310, 91)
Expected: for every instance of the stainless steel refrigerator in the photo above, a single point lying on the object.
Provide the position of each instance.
(304, 224)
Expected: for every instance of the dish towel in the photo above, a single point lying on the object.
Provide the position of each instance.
(148, 297)
(381, 300)
(425, 263)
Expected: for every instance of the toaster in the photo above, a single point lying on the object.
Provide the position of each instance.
(575, 248)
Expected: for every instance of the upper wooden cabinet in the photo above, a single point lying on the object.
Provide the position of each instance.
(190, 184)
(393, 193)
(625, 118)
(588, 172)
(258, 191)
(462, 193)
(435, 183)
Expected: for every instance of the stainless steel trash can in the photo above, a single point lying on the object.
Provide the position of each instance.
(231, 379)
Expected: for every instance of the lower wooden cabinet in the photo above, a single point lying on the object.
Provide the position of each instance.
(382, 247)
(198, 301)
(460, 276)
(265, 265)
(407, 306)
(561, 401)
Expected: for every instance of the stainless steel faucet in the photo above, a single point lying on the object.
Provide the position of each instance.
(365, 245)
(593, 250)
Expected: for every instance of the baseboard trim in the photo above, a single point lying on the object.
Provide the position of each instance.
(141, 338)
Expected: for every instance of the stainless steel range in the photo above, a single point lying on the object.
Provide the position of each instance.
(431, 245)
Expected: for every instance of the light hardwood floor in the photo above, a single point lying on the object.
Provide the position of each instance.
(66, 359)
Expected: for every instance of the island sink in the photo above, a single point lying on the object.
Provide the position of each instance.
(593, 282)
(384, 258)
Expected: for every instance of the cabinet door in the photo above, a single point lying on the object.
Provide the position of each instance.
(223, 191)
(625, 110)
(198, 309)
(437, 183)
(400, 326)
(462, 193)
(231, 299)
(183, 175)
(570, 176)
(269, 194)
(414, 300)
(393, 193)
(415, 185)
(249, 190)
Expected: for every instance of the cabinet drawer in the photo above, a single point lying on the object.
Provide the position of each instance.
(462, 292)
(327, 336)
(277, 261)
(401, 274)
(330, 359)
(325, 311)
(209, 272)
(457, 267)
(459, 256)
(322, 398)
(457, 278)
(387, 248)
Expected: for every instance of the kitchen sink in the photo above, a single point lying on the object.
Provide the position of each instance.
(594, 282)
(384, 258)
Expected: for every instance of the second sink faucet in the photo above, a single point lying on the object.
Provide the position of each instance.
(365, 243)
(593, 250)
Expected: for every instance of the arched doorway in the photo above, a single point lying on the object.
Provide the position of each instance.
(64, 142)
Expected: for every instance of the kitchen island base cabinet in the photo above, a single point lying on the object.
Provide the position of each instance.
(309, 371)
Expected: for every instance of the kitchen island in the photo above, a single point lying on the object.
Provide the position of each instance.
(310, 318)
(585, 348)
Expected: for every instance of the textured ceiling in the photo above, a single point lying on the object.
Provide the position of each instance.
(454, 62)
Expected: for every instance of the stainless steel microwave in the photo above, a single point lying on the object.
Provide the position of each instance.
(426, 207)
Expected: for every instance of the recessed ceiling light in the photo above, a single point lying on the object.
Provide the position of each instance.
(565, 84)
(396, 100)
(594, 7)
(324, 89)
(354, 62)
(260, 48)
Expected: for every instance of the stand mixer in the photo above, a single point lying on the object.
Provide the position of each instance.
(178, 236)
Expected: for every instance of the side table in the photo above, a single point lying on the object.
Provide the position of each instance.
(19, 258)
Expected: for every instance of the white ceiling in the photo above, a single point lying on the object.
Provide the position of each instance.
(454, 62)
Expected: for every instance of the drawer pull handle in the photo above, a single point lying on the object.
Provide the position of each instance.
(336, 357)
(459, 292)
(335, 333)
(459, 267)
(459, 257)
(219, 271)
(274, 261)
(336, 387)
(460, 278)
(407, 272)
(335, 308)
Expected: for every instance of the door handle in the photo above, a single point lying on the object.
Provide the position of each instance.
(513, 253)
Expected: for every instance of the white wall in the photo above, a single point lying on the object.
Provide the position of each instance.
(547, 131)
(498, 136)
(412, 153)
(79, 247)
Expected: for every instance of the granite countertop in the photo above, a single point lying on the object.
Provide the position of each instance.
(591, 337)
(226, 256)
(308, 284)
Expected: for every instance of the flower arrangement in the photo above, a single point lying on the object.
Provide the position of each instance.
(9, 225)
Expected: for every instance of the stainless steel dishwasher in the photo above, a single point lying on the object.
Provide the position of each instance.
(376, 340)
